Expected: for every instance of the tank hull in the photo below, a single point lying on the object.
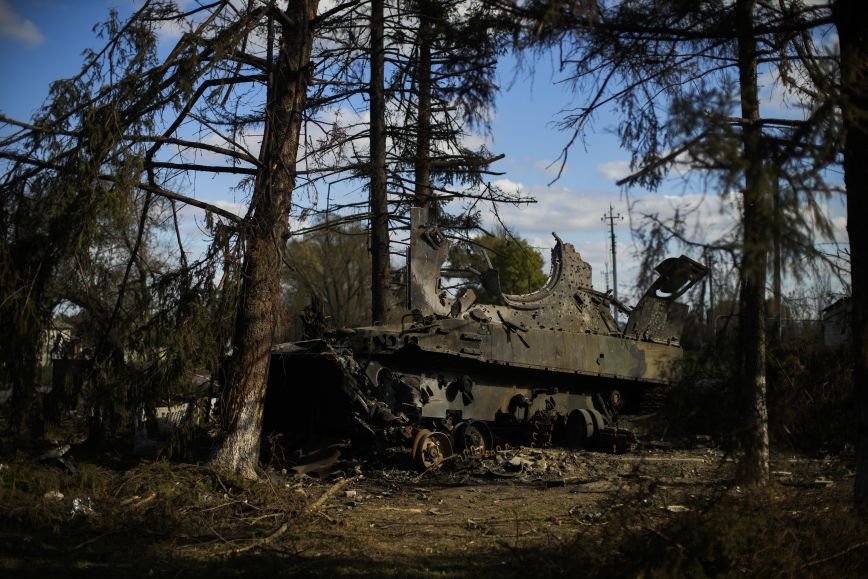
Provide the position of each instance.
(539, 360)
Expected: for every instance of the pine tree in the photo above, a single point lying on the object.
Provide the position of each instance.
(675, 71)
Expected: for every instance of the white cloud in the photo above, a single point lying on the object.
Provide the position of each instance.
(508, 185)
(576, 217)
(557, 209)
(172, 29)
(239, 209)
(776, 99)
(707, 217)
(186, 212)
(474, 141)
(839, 229)
(326, 5)
(614, 170)
(12, 26)
(245, 142)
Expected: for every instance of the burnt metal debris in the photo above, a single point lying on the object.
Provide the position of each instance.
(460, 377)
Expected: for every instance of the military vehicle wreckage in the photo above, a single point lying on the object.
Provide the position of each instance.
(458, 376)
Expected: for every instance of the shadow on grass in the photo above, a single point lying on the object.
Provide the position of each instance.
(176, 520)
(760, 536)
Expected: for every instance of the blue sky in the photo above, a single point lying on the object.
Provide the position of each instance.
(42, 40)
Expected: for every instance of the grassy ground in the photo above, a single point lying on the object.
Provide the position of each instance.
(656, 514)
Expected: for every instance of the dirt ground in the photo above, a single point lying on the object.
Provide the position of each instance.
(522, 512)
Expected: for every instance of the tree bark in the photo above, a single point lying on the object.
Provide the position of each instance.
(754, 465)
(237, 448)
(777, 271)
(853, 38)
(380, 275)
(423, 113)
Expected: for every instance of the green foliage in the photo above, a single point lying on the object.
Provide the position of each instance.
(811, 396)
(810, 393)
(465, 40)
(80, 236)
(58, 208)
(520, 266)
(332, 265)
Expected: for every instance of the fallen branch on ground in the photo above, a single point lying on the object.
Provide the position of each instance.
(311, 508)
(264, 541)
(849, 549)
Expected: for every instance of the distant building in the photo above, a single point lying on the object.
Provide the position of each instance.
(837, 330)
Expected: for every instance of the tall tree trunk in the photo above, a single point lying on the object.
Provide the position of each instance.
(853, 38)
(777, 272)
(423, 113)
(712, 316)
(380, 276)
(754, 465)
(237, 448)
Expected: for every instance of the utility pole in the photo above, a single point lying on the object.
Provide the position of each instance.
(606, 275)
(611, 217)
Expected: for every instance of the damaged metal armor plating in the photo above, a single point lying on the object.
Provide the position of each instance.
(547, 366)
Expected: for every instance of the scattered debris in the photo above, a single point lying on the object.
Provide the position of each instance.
(677, 508)
(314, 506)
(137, 501)
(55, 453)
(518, 463)
(82, 506)
(817, 483)
(58, 457)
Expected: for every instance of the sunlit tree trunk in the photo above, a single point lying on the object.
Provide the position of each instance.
(237, 448)
(754, 465)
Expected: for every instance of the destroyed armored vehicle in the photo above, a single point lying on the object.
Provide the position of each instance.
(456, 376)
